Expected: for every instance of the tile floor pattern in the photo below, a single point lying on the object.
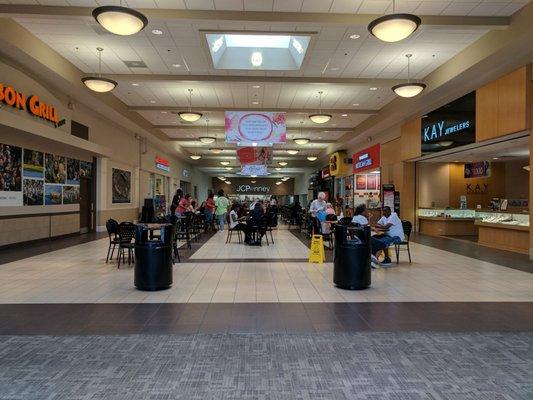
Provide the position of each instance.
(432, 366)
(79, 274)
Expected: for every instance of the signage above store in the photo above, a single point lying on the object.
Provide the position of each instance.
(185, 173)
(450, 126)
(367, 159)
(479, 169)
(31, 104)
(162, 163)
(252, 189)
(325, 173)
(339, 164)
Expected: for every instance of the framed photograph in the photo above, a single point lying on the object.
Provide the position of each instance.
(33, 190)
(372, 182)
(55, 169)
(73, 171)
(121, 186)
(360, 182)
(33, 166)
(71, 194)
(86, 169)
(10, 175)
(52, 194)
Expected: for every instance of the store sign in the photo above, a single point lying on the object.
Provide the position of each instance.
(255, 155)
(450, 126)
(477, 170)
(162, 163)
(185, 173)
(477, 189)
(252, 189)
(31, 104)
(325, 173)
(367, 159)
(338, 164)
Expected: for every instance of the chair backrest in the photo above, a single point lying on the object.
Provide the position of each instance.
(345, 221)
(272, 219)
(407, 228)
(126, 231)
(112, 227)
(317, 228)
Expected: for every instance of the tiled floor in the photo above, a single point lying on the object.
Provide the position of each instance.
(242, 274)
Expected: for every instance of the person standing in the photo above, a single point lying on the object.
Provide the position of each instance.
(221, 209)
(175, 201)
(184, 205)
(209, 210)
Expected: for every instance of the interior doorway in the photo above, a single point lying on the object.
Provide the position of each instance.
(86, 205)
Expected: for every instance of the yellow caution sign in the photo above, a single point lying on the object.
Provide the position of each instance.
(316, 253)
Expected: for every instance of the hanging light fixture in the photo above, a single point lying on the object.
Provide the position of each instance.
(216, 150)
(190, 116)
(279, 183)
(312, 158)
(301, 140)
(293, 152)
(206, 139)
(320, 117)
(285, 178)
(195, 156)
(409, 89)
(98, 83)
(394, 27)
(228, 183)
(224, 163)
(120, 20)
(221, 178)
(282, 163)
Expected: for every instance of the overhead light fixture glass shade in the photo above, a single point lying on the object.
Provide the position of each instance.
(526, 168)
(119, 20)
(228, 168)
(99, 84)
(282, 163)
(228, 183)
(302, 141)
(285, 178)
(320, 117)
(408, 89)
(394, 27)
(279, 183)
(206, 139)
(221, 178)
(224, 162)
(195, 156)
(446, 143)
(293, 152)
(190, 116)
(216, 150)
(253, 181)
(312, 158)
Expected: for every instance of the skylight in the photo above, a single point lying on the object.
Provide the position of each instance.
(257, 51)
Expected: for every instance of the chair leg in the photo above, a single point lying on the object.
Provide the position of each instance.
(119, 255)
(397, 251)
(409, 252)
(108, 250)
(266, 235)
(271, 237)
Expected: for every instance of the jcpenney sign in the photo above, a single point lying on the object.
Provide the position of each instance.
(250, 188)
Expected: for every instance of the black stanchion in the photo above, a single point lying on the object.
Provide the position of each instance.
(351, 265)
(153, 259)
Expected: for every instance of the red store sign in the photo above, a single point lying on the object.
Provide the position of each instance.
(367, 159)
(162, 163)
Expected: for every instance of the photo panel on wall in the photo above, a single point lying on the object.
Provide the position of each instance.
(121, 186)
(33, 164)
(33, 192)
(73, 171)
(10, 175)
(52, 194)
(55, 169)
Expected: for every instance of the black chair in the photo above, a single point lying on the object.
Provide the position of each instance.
(126, 233)
(230, 234)
(175, 254)
(329, 236)
(407, 229)
(272, 222)
(183, 231)
(114, 240)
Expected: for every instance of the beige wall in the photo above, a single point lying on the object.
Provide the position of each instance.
(433, 184)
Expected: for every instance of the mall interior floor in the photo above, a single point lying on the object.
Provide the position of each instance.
(262, 323)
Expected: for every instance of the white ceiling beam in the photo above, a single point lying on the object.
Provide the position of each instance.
(221, 127)
(273, 109)
(16, 10)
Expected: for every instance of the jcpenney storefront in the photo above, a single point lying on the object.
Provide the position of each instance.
(248, 189)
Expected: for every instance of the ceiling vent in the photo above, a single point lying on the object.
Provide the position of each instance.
(135, 64)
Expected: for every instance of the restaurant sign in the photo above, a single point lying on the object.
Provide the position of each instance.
(367, 159)
(31, 104)
(162, 163)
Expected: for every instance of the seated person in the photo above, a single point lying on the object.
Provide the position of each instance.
(256, 219)
(233, 219)
(360, 215)
(392, 228)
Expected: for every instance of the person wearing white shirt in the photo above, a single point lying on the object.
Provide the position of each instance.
(392, 228)
(319, 204)
(360, 216)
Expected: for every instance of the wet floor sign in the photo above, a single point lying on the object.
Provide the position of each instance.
(316, 253)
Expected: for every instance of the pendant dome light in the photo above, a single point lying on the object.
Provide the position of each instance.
(409, 89)
(120, 20)
(195, 156)
(216, 150)
(282, 163)
(394, 27)
(206, 139)
(312, 158)
(320, 117)
(190, 116)
(293, 152)
(301, 140)
(98, 83)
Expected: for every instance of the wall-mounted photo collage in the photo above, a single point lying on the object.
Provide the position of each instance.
(34, 178)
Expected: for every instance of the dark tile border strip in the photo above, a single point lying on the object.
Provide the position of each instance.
(157, 318)
(470, 249)
(24, 250)
(244, 260)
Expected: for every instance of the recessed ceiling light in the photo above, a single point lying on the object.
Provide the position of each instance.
(355, 104)
(255, 102)
(494, 158)
(320, 137)
(134, 84)
(224, 162)
(176, 65)
(256, 59)
(163, 112)
(373, 88)
(152, 101)
(335, 68)
(344, 115)
(157, 31)
(355, 36)
(256, 86)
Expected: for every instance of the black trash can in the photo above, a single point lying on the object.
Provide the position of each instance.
(351, 265)
(153, 259)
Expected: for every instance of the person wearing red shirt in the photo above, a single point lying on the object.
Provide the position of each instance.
(184, 205)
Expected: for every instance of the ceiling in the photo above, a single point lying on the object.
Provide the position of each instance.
(355, 74)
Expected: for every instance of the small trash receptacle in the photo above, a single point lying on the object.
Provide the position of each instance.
(153, 259)
(351, 265)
